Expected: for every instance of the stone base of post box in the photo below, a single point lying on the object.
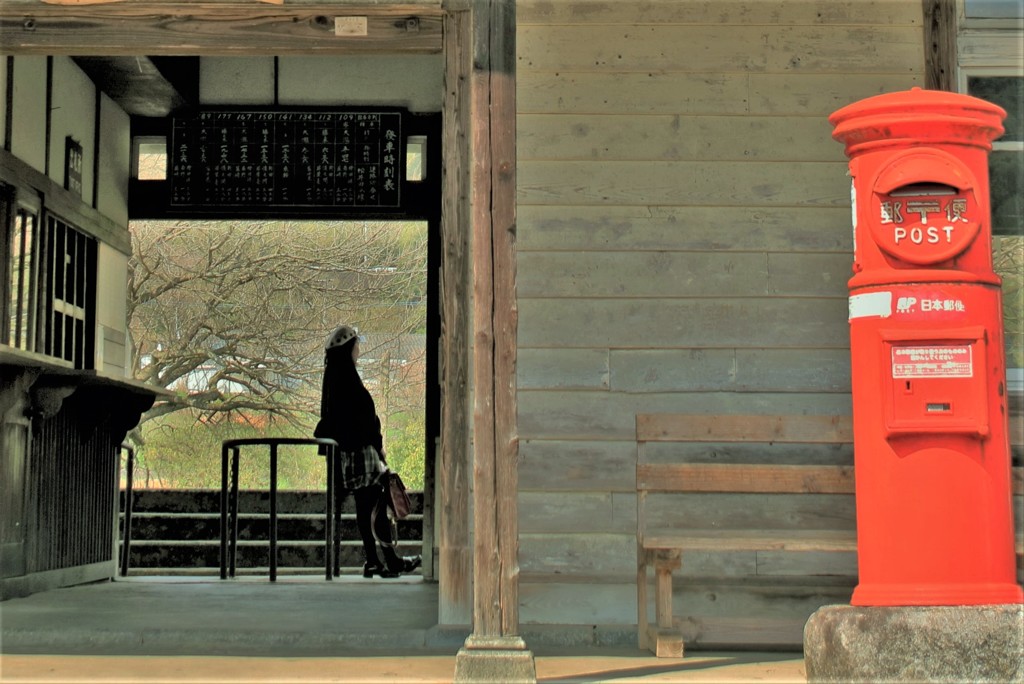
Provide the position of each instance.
(915, 644)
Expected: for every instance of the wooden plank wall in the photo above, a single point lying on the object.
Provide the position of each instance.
(72, 492)
(684, 243)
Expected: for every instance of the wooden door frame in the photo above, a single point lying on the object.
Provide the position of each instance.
(477, 38)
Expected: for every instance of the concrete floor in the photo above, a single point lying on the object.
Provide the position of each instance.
(303, 629)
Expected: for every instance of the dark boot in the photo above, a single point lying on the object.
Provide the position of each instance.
(402, 564)
(379, 570)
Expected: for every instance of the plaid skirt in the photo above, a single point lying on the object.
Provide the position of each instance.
(359, 469)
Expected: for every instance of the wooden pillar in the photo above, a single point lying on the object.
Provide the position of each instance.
(940, 44)
(455, 576)
(494, 651)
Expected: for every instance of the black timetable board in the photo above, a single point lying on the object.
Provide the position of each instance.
(314, 159)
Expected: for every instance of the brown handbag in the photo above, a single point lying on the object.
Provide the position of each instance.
(392, 506)
(397, 498)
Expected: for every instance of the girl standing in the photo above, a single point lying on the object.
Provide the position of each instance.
(349, 416)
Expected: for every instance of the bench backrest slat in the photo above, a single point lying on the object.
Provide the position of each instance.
(750, 478)
(717, 477)
(674, 427)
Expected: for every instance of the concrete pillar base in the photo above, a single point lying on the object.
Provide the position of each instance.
(915, 644)
(495, 659)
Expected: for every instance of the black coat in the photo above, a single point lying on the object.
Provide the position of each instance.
(347, 412)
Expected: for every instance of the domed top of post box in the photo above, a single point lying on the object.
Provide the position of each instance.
(916, 117)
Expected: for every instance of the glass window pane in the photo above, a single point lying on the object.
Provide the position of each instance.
(68, 306)
(1008, 93)
(994, 9)
(152, 161)
(415, 158)
(15, 268)
(22, 283)
(1006, 176)
(14, 286)
(1008, 260)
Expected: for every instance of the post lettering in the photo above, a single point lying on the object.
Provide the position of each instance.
(919, 235)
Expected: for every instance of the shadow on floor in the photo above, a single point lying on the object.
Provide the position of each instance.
(243, 616)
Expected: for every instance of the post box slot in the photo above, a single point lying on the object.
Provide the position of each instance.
(924, 169)
(938, 407)
(924, 190)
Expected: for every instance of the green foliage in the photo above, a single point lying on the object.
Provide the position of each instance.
(406, 450)
(182, 450)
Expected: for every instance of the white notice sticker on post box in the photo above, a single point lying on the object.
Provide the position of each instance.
(940, 361)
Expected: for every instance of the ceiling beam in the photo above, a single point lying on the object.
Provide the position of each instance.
(226, 28)
(146, 87)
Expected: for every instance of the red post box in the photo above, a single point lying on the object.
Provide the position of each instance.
(932, 455)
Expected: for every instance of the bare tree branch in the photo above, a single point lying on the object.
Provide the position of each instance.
(232, 315)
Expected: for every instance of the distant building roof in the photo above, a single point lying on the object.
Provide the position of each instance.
(400, 347)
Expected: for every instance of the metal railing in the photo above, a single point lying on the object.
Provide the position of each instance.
(126, 540)
(229, 500)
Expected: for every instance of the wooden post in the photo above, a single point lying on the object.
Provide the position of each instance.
(940, 44)
(455, 576)
(505, 310)
(494, 651)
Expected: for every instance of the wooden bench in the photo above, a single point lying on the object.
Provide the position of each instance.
(662, 549)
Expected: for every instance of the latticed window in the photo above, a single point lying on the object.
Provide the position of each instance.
(69, 287)
(50, 286)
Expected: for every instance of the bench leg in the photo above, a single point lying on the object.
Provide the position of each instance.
(665, 639)
(663, 598)
(641, 600)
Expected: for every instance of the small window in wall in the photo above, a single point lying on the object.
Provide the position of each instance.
(416, 158)
(1006, 177)
(68, 285)
(149, 158)
(1007, 156)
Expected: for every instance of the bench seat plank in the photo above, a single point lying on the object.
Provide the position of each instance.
(764, 540)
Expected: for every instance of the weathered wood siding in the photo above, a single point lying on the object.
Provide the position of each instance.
(684, 245)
